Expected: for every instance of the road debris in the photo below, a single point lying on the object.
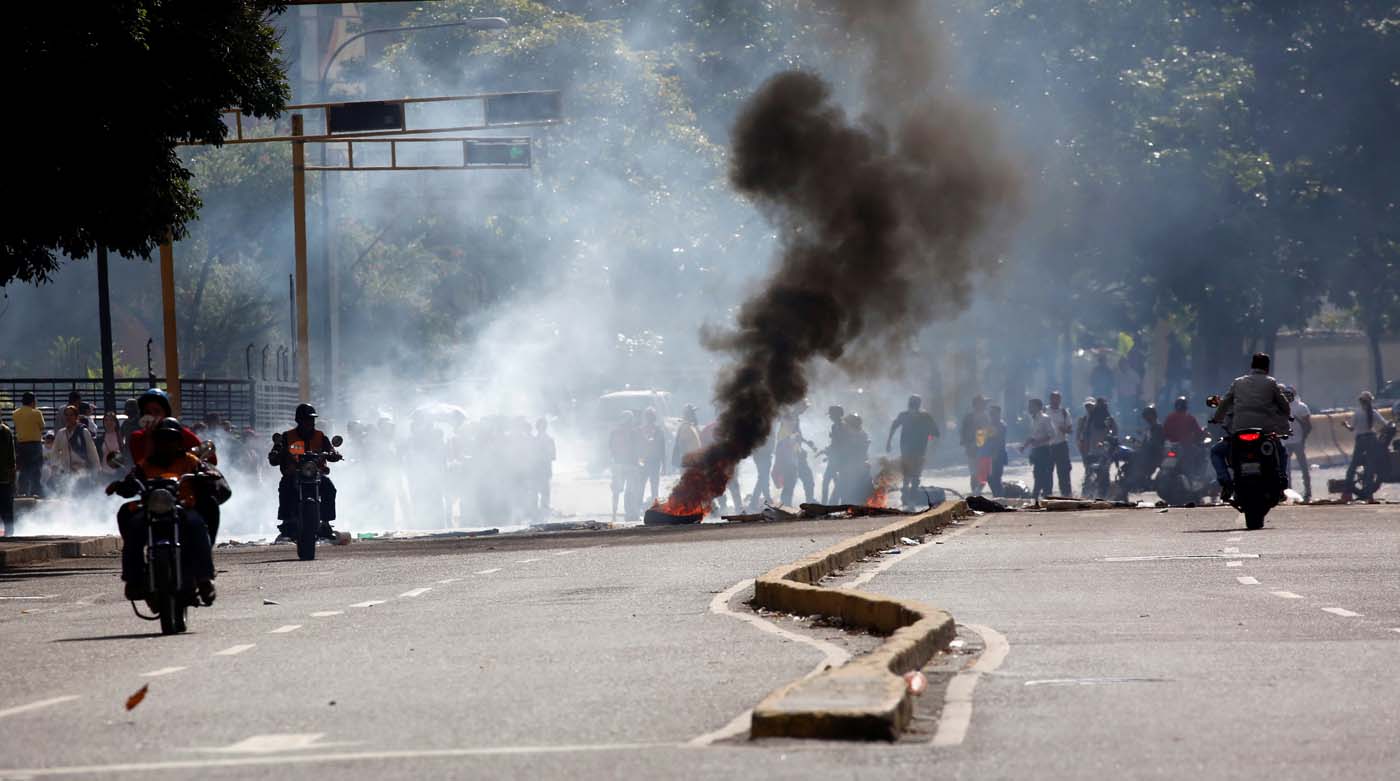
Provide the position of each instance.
(135, 699)
(916, 681)
(271, 602)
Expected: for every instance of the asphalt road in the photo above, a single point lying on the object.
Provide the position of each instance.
(1127, 653)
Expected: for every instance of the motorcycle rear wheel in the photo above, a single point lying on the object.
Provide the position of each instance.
(306, 532)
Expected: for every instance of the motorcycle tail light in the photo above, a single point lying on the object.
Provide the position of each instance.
(1249, 436)
(1171, 454)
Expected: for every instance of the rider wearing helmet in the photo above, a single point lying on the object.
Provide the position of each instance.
(1255, 400)
(168, 458)
(305, 438)
(154, 406)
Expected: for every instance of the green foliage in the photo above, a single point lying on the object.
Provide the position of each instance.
(95, 158)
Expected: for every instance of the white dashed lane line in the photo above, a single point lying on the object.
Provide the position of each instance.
(1231, 550)
(445, 581)
(162, 671)
(285, 628)
(326, 613)
(565, 552)
(369, 603)
(18, 709)
(235, 650)
(1247, 581)
(1234, 539)
(1234, 563)
(487, 571)
(1286, 595)
(527, 561)
(1340, 611)
(417, 592)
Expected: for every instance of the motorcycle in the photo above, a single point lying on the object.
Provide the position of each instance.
(307, 471)
(1381, 465)
(1254, 457)
(1183, 477)
(170, 589)
(1105, 469)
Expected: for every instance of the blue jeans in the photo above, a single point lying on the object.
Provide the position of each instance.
(1220, 455)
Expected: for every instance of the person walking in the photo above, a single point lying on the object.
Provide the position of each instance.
(653, 453)
(971, 437)
(763, 461)
(112, 442)
(831, 475)
(1366, 423)
(75, 453)
(1063, 426)
(29, 447)
(8, 476)
(1042, 431)
(1297, 444)
(545, 455)
(916, 429)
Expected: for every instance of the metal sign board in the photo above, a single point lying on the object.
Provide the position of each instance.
(498, 153)
(521, 107)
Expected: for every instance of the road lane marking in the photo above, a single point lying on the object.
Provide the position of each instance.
(1246, 580)
(1340, 611)
(957, 702)
(1231, 550)
(369, 603)
(341, 756)
(1396, 630)
(272, 744)
(1192, 557)
(487, 571)
(1234, 563)
(37, 705)
(162, 671)
(527, 561)
(832, 656)
(235, 650)
(43, 596)
(1234, 539)
(417, 592)
(1286, 595)
(285, 628)
(445, 581)
(565, 552)
(326, 613)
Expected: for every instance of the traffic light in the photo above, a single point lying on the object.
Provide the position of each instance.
(365, 116)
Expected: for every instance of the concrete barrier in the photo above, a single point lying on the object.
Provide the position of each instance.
(17, 551)
(867, 699)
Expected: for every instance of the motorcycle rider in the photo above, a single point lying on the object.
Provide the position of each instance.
(1254, 400)
(1182, 428)
(305, 438)
(1149, 456)
(155, 408)
(169, 458)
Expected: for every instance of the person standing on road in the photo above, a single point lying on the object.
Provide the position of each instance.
(971, 436)
(29, 447)
(763, 461)
(855, 485)
(917, 428)
(1038, 442)
(625, 452)
(995, 448)
(1059, 444)
(8, 475)
(831, 477)
(1302, 419)
(653, 453)
(687, 437)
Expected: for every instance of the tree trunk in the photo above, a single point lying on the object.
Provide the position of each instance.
(1271, 344)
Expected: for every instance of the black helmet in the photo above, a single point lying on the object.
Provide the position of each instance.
(1150, 411)
(1181, 404)
(156, 395)
(305, 411)
(168, 429)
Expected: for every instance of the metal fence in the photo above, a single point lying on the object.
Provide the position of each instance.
(254, 403)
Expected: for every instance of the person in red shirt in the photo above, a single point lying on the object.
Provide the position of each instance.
(1182, 428)
(155, 407)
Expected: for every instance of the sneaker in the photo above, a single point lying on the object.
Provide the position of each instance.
(1227, 492)
(281, 538)
(134, 591)
(206, 591)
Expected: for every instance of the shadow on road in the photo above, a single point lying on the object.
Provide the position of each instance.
(141, 636)
(7, 576)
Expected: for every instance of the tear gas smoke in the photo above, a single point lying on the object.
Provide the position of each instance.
(881, 222)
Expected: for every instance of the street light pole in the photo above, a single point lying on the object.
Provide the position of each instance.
(104, 318)
(330, 271)
(299, 230)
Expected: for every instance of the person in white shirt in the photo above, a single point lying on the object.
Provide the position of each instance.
(1042, 431)
(1366, 422)
(1302, 426)
(1063, 425)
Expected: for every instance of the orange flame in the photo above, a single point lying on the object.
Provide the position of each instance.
(886, 479)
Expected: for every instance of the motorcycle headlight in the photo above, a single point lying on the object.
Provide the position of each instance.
(307, 468)
(160, 502)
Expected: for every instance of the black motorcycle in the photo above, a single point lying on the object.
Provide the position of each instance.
(1254, 458)
(1377, 466)
(1105, 469)
(308, 470)
(1184, 477)
(170, 590)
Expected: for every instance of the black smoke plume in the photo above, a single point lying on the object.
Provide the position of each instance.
(882, 222)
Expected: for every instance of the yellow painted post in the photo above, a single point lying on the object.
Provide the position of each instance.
(299, 227)
(172, 342)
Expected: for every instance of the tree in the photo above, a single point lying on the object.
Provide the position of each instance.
(96, 162)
